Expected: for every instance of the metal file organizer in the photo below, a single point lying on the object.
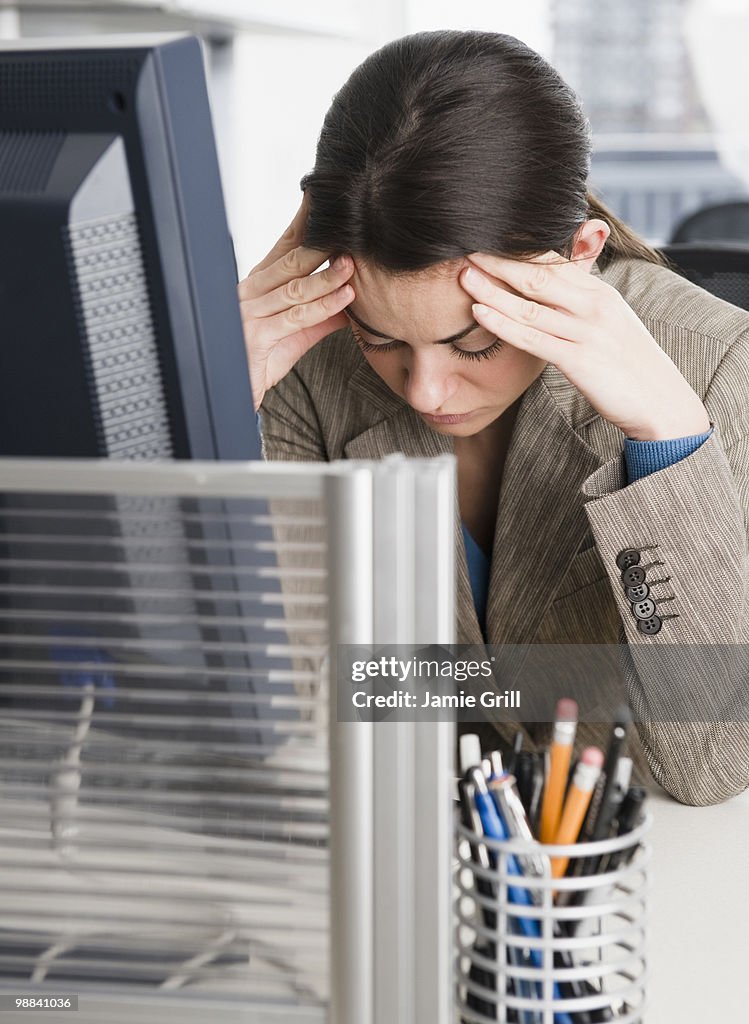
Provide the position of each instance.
(186, 830)
(496, 974)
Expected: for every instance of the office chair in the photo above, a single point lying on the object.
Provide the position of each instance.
(722, 269)
(721, 222)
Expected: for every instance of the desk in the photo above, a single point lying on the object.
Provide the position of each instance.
(699, 900)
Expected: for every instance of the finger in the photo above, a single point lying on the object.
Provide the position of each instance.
(528, 339)
(560, 284)
(300, 318)
(290, 239)
(523, 311)
(301, 289)
(297, 262)
(290, 350)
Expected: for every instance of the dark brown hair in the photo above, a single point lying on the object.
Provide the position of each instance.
(445, 143)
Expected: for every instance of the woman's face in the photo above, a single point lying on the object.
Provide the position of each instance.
(458, 387)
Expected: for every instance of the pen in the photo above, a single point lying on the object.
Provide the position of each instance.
(494, 828)
(629, 817)
(565, 726)
(469, 748)
(610, 799)
(470, 819)
(511, 810)
(517, 746)
(530, 784)
(524, 778)
(586, 774)
(495, 759)
(607, 813)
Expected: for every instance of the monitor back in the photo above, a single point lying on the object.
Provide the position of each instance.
(121, 334)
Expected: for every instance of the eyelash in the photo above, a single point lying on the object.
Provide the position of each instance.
(484, 353)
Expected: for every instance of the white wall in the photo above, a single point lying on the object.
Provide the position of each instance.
(281, 91)
(284, 85)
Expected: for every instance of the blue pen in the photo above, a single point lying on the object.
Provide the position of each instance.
(494, 828)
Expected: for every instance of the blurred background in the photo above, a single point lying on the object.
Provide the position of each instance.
(660, 80)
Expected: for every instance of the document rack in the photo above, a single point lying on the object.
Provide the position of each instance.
(187, 832)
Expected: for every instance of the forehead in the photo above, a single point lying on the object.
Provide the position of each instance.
(381, 293)
(373, 278)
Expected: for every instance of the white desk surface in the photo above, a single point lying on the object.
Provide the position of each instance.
(698, 939)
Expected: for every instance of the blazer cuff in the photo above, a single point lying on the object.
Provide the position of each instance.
(688, 522)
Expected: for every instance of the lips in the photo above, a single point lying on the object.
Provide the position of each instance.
(457, 417)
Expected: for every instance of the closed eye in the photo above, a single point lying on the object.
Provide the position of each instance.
(482, 353)
(462, 353)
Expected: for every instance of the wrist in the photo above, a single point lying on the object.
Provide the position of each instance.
(669, 430)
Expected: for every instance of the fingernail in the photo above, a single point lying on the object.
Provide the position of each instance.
(340, 263)
(472, 276)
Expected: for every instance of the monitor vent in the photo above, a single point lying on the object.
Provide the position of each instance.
(116, 321)
(27, 159)
(31, 85)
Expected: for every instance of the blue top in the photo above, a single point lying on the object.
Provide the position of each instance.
(641, 459)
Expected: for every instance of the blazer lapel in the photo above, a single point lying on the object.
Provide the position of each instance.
(541, 520)
(404, 431)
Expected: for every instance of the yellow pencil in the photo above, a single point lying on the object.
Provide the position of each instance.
(576, 805)
(560, 756)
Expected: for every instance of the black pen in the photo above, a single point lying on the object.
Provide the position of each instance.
(610, 800)
(629, 817)
(517, 746)
(524, 776)
(537, 790)
(631, 813)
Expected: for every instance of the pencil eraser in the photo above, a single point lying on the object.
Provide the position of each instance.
(470, 751)
(592, 756)
(566, 710)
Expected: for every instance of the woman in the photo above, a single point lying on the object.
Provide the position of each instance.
(480, 301)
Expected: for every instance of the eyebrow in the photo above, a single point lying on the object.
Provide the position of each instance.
(387, 337)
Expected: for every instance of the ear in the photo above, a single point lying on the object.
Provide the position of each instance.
(590, 239)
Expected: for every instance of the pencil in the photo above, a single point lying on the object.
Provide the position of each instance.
(581, 790)
(565, 726)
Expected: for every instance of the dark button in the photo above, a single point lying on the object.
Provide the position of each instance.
(633, 576)
(627, 557)
(649, 626)
(644, 609)
(638, 593)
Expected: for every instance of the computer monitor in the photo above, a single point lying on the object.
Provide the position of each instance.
(120, 337)
(121, 334)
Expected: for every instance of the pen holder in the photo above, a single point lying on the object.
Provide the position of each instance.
(534, 949)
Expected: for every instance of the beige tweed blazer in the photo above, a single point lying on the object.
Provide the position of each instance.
(565, 512)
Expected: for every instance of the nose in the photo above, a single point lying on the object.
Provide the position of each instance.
(429, 383)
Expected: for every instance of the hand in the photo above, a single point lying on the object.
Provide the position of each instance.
(284, 310)
(555, 310)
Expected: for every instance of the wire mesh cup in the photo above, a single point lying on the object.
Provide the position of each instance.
(536, 949)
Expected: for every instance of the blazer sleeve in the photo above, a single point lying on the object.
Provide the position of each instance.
(290, 429)
(688, 683)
